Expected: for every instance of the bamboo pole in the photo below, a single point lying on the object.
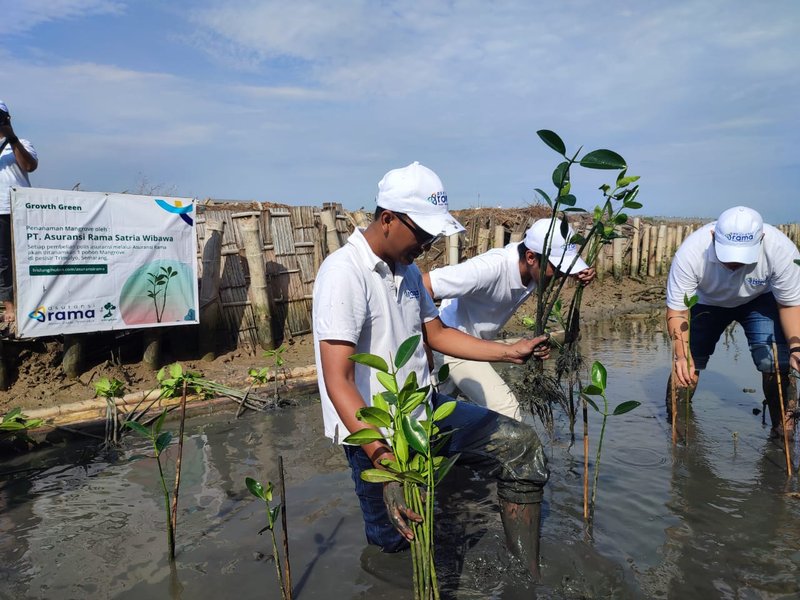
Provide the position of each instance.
(637, 223)
(483, 240)
(645, 253)
(661, 243)
(673, 392)
(670, 251)
(516, 236)
(499, 236)
(651, 253)
(210, 306)
(259, 293)
(783, 413)
(452, 249)
(327, 217)
(678, 238)
(585, 461)
(618, 248)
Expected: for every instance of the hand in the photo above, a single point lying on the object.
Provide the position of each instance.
(586, 276)
(7, 131)
(396, 507)
(522, 350)
(685, 375)
(794, 361)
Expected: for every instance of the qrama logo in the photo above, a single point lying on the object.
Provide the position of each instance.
(62, 314)
(740, 237)
(756, 282)
(438, 198)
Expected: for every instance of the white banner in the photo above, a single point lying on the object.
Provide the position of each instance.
(90, 261)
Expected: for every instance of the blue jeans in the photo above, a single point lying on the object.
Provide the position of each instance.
(497, 446)
(758, 318)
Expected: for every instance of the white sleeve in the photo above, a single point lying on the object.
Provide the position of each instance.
(340, 304)
(462, 279)
(785, 281)
(427, 308)
(29, 147)
(683, 279)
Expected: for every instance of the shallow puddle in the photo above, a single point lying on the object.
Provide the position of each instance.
(713, 517)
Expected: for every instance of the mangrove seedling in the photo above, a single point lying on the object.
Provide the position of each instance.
(262, 376)
(273, 511)
(15, 424)
(159, 283)
(110, 389)
(160, 440)
(415, 444)
(598, 388)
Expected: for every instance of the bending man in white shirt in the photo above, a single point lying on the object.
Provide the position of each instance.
(480, 295)
(741, 270)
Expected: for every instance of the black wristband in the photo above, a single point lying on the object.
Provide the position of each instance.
(795, 349)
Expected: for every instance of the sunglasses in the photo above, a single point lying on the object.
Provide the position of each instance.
(424, 239)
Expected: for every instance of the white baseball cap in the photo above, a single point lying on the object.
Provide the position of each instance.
(737, 236)
(418, 192)
(562, 253)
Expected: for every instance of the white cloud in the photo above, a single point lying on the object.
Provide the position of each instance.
(23, 16)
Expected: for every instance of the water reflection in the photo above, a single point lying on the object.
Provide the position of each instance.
(708, 518)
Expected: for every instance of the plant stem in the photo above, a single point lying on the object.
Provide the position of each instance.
(276, 558)
(585, 460)
(178, 462)
(597, 460)
(284, 531)
(170, 534)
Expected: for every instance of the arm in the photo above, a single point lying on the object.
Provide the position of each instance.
(678, 328)
(453, 342)
(338, 372)
(790, 322)
(26, 161)
(426, 281)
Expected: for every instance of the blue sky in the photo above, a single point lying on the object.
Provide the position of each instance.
(307, 102)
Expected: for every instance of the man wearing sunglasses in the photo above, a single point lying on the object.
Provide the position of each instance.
(742, 270)
(369, 298)
(480, 295)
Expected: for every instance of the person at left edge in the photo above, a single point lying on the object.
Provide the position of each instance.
(369, 297)
(17, 159)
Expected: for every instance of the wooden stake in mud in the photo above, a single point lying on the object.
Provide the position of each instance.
(673, 392)
(178, 470)
(783, 413)
(286, 568)
(585, 461)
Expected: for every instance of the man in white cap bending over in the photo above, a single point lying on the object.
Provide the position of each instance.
(369, 298)
(17, 159)
(741, 270)
(480, 295)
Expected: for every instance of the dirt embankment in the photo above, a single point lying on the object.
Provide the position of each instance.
(40, 383)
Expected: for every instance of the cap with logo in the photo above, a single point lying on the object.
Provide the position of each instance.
(737, 236)
(418, 192)
(563, 254)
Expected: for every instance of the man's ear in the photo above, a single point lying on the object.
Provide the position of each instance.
(530, 257)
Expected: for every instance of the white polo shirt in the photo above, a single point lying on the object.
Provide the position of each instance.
(480, 295)
(11, 175)
(696, 270)
(357, 299)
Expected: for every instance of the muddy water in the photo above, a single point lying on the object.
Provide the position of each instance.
(710, 518)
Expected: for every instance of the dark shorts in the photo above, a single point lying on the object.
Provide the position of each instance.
(758, 318)
(497, 446)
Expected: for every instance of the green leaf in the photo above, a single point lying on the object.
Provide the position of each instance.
(160, 422)
(564, 228)
(176, 370)
(624, 407)
(442, 471)
(138, 428)
(274, 513)
(690, 302)
(561, 175)
(387, 380)
(163, 440)
(599, 375)
(406, 351)
(622, 182)
(551, 139)
(589, 401)
(13, 413)
(414, 400)
(797, 261)
(443, 373)
(161, 374)
(400, 447)
(567, 200)
(378, 401)
(545, 196)
(603, 159)
(255, 487)
(592, 390)
(374, 416)
(415, 477)
(632, 204)
(620, 219)
(444, 410)
(363, 436)
(390, 398)
(411, 382)
(378, 476)
(415, 434)
(370, 360)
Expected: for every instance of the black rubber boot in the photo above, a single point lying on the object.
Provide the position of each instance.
(522, 524)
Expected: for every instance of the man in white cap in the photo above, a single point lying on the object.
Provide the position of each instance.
(741, 270)
(17, 159)
(369, 298)
(480, 295)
